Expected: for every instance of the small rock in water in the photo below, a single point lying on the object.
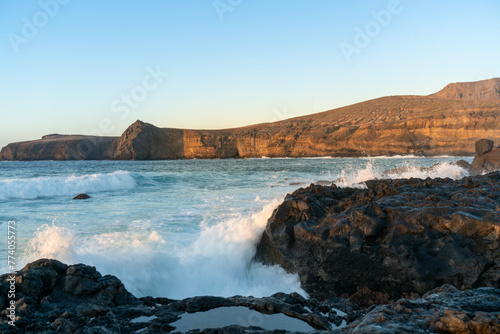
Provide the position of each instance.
(81, 196)
(463, 164)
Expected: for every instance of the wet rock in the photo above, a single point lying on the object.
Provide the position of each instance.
(397, 238)
(463, 164)
(82, 196)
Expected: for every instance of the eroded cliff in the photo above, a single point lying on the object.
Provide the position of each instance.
(448, 122)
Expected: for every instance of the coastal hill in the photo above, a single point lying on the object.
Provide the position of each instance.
(448, 122)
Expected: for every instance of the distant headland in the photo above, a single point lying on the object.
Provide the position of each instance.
(448, 122)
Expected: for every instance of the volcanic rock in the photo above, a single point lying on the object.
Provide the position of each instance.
(397, 237)
(52, 297)
(443, 310)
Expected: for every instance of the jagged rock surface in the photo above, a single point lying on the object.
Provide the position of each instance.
(396, 237)
(442, 123)
(443, 310)
(53, 297)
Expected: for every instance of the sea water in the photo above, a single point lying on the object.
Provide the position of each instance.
(172, 228)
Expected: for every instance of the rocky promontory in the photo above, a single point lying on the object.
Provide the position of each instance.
(52, 297)
(395, 238)
(445, 123)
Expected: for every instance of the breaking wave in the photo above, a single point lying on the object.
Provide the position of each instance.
(36, 187)
(356, 178)
(218, 262)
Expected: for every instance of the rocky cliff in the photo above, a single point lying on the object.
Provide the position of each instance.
(62, 147)
(448, 122)
(484, 90)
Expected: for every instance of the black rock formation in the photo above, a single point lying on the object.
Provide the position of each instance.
(396, 237)
(52, 297)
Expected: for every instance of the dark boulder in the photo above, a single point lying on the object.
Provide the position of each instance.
(487, 163)
(397, 237)
(483, 146)
(487, 159)
(463, 164)
(82, 196)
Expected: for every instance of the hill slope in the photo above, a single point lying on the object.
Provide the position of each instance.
(448, 122)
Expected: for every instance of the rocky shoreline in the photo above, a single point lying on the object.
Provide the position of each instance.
(56, 298)
(389, 256)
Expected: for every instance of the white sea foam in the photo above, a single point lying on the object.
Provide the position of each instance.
(31, 188)
(218, 262)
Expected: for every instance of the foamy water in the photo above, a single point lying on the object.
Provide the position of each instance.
(29, 188)
(173, 228)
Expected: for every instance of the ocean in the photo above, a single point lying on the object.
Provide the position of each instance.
(172, 228)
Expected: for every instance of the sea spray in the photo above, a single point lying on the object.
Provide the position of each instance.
(442, 170)
(218, 262)
(356, 178)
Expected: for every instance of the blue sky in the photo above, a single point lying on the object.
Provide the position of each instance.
(74, 66)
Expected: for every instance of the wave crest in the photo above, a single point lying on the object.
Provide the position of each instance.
(357, 178)
(32, 188)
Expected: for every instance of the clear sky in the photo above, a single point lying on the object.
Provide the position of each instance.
(75, 66)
